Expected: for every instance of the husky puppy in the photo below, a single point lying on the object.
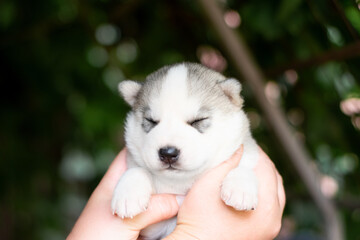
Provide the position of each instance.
(185, 119)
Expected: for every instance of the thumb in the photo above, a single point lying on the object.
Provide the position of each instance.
(218, 173)
(161, 207)
(232, 162)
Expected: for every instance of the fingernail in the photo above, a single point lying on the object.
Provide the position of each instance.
(180, 199)
(240, 149)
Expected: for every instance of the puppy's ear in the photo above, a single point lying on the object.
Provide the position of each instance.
(232, 88)
(129, 90)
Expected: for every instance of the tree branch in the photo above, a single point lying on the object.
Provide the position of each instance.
(349, 202)
(347, 52)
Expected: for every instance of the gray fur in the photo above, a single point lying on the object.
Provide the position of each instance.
(207, 85)
(148, 122)
(202, 121)
(211, 87)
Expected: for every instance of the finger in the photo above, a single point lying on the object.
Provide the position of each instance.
(113, 174)
(263, 169)
(233, 161)
(281, 192)
(161, 207)
(268, 182)
(218, 173)
(266, 173)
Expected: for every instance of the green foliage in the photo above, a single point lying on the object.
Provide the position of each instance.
(61, 119)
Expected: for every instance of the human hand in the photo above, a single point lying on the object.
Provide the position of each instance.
(203, 215)
(97, 221)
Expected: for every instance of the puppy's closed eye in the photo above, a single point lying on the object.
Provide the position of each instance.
(197, 121)
(200, 124)
(152, 121)
(148, 124)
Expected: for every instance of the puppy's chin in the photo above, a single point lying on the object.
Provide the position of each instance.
(169, 168)
(181, 168)
(176, 173)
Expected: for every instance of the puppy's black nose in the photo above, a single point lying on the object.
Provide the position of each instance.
(169, 154)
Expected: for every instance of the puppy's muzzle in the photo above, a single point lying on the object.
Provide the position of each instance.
(169, 155)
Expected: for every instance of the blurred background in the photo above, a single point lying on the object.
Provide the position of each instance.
(61, 119)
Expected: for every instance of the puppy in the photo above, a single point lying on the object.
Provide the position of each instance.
(185, 119)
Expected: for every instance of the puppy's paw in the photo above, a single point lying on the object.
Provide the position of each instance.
(239, 190)
(130, 199)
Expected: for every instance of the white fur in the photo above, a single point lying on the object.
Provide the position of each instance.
(173, 107)
(132, 193)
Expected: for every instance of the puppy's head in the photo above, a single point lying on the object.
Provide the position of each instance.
(183, 118)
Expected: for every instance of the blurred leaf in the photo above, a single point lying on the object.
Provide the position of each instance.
(261, 20)
(353, 15)
(287, 9)
(7, 14)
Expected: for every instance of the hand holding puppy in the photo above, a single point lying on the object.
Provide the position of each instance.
(97, 221)
(203, 214)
